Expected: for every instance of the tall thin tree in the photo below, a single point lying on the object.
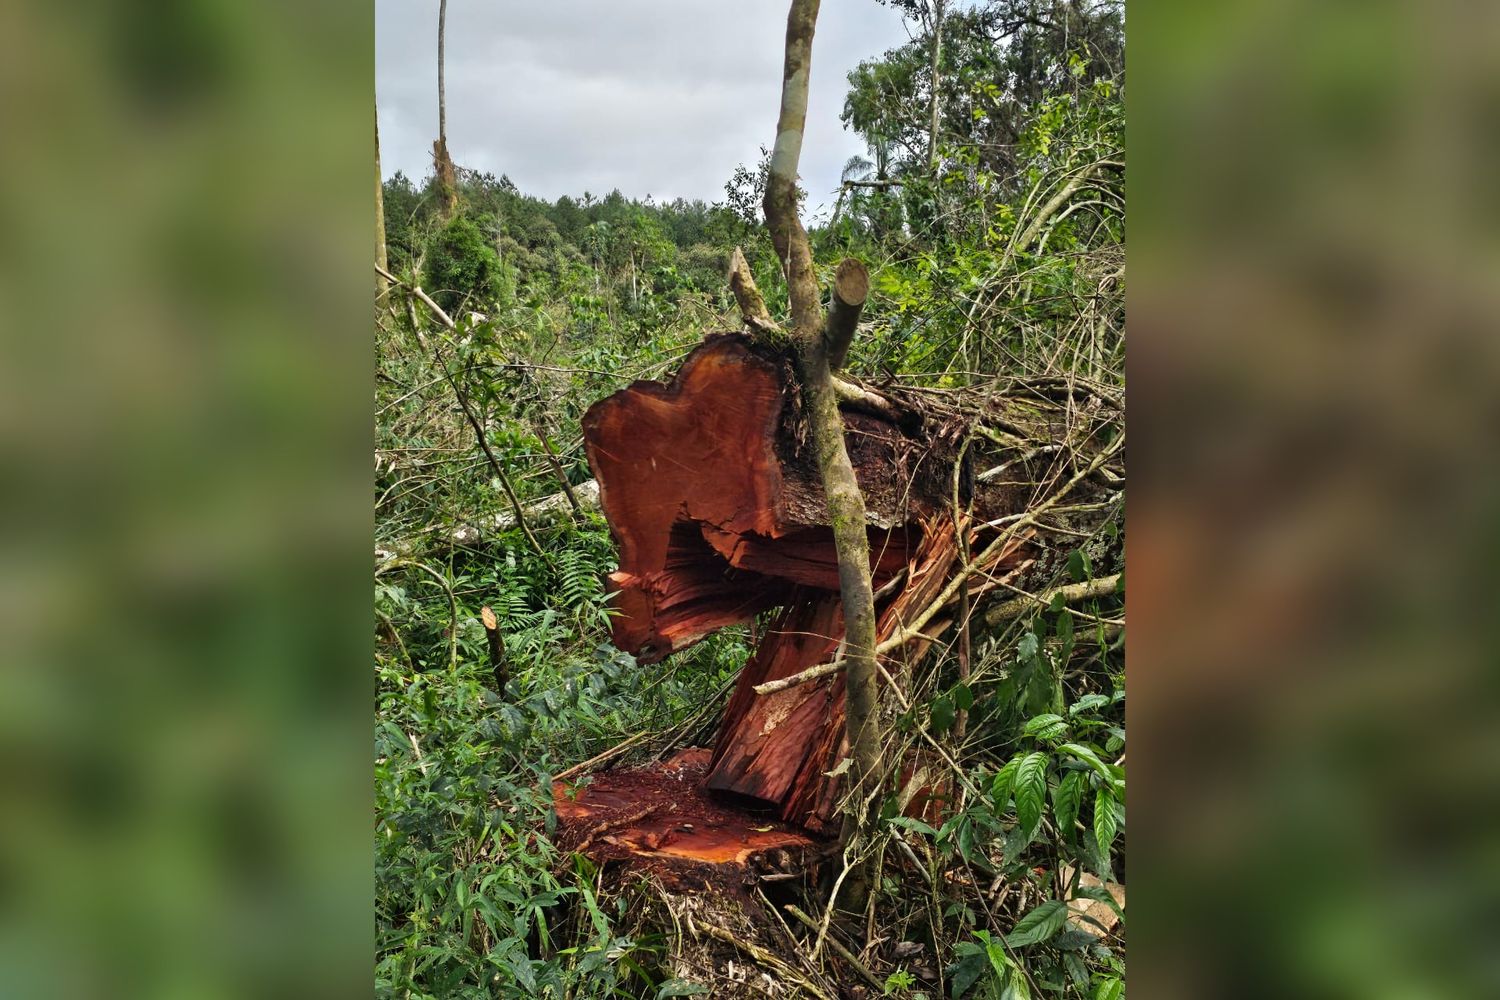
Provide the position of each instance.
(442, 163)
(935, 9)
(380, 255)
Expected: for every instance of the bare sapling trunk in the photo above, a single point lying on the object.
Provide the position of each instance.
(934, 75)
(846, 506)
(381, 286)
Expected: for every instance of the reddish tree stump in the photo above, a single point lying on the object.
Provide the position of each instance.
(715, 501)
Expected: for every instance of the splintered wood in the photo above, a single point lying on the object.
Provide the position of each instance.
(663, 812)
(780, 748)
(714, 500)
(718, 514)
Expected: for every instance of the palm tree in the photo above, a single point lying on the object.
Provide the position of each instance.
(856, 168)
(868, 182)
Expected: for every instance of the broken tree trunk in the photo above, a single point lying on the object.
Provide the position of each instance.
(712, 490)
(715, 500)
(708, 866)
(714, 497)
(755, 480)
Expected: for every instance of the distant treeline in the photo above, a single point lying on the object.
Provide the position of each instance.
(678, 243)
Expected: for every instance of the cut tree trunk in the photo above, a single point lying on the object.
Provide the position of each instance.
(712, 492)
(685, 866)
(714, 500)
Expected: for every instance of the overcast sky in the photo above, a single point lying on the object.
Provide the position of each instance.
(658, 97)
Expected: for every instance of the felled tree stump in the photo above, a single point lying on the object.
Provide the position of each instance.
(713, 496)
(714, 499)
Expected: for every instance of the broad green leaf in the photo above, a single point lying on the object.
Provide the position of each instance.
(1077, 971)
(1110, 989)
(999, 961)
(1103, 895)
(1090, 758)
(908, 823)
(965, 840)
(1088, 703)
(1104, 819)
(1045, 727)
(1039, 925)
(1031, 791)
(1065, 633)
(1078, 565)
(1028, 646)
(1004, 783)
(963, 697)
(680, 988)
(1066, 801)
(942, 715)
(1015, 987)
(963, 974)
(1043, 692)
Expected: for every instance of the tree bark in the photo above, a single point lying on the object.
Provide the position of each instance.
(846, 506)
(752, 304)
(935, 75)
(499, 663)
(562, 475)
(442, 94)
(381, 285)
(851, 286)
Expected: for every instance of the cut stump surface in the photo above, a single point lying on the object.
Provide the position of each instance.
(715, 501)
(663, 812)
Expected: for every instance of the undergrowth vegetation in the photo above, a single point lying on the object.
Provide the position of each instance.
(986, 269)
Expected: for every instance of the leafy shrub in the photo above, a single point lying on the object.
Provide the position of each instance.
(461, 266)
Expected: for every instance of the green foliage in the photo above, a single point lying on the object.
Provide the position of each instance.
(461, 266)
(470, 894)
(1005, 260)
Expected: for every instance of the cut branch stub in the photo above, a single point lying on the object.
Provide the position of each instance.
(851, 286)
(747, 293)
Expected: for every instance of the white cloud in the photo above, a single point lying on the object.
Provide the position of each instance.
(663, 98)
